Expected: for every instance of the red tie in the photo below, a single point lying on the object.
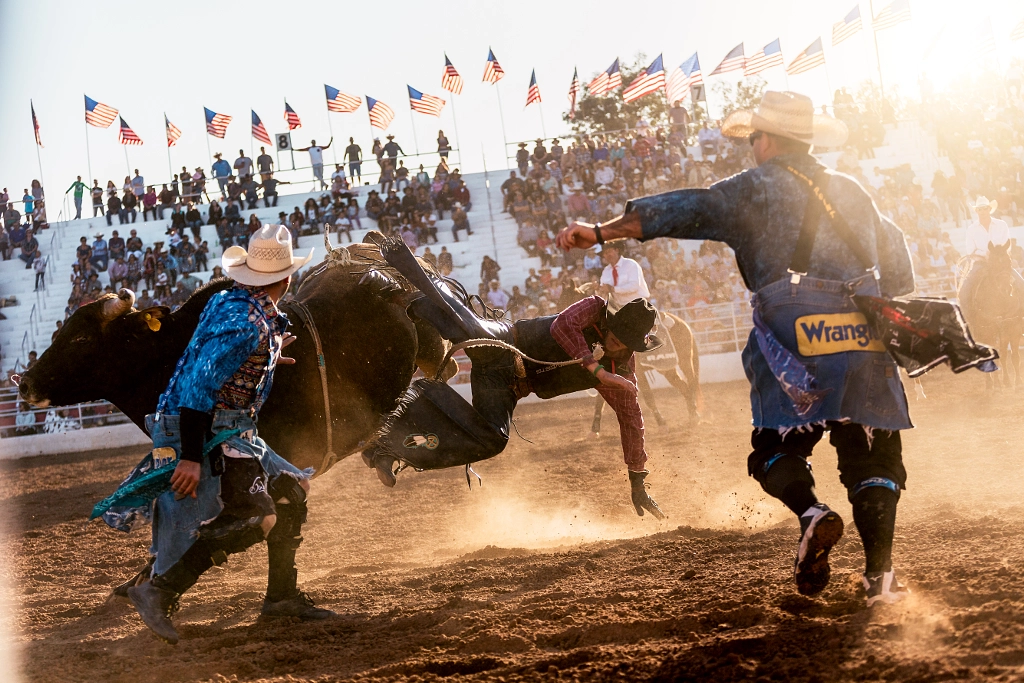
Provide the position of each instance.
(615, 276)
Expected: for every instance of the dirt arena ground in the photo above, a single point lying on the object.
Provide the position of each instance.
(546, 573)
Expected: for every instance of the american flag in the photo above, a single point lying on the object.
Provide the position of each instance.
(291, 117)
(770, 56)
(650, 80)
(216, 124)
(1018, 32)
(173, 132)
(492, 70)
(98, 114)
(810, 58)
(895, 13)
(608, 80)
(127, 136)
(733, 61)
(847, 27)
(533, 94)
(259, 131)
(381, 114)
(574, 91)
(424, 104)
(339, 102)
(682, 78)
(35, 123)
(450, 79)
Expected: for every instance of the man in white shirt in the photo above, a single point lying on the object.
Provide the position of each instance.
(316, 159)
(622, 279)
(986, 230)
(496, 296)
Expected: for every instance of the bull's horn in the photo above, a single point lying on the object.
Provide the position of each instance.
(327, 238)
(115, 307)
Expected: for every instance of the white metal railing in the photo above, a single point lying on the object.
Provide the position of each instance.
(55, 419)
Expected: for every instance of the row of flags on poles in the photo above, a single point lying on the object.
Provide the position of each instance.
(679, 84)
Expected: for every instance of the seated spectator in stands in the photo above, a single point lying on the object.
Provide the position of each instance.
(202, 254)
(508, 190)
(392, 211)
(240, 232)
(214, 214)
(5, 244)
(25, 421)
(352, 215)
(401, 176)
(248, 187)
(387, 177)
(269, 186)
(224, 234)
(177, 220)
(84, 252)
(461, 195)
(114, 209)
(166, 197)
(234, 192)
(233, 215)
(185, 253)
(489, 269)
(527, 237)
(428, 224)
(100, 253)
(133, 245)
(162, 288)
(179, 296)
(374, 205)
(295, 221)
(149, 268)
(577, 205)
(311, 215)
(460, 221)
(254, 224)
(134, 272)
(496, 296)
(118, 273)
(17, 236)
(149, 204)
(194, 221)
(145, 301)
(189, 281)
(521, 209)
(12, 217)
(116, 246)
(444, 262)
(128, 206)
(409, 237)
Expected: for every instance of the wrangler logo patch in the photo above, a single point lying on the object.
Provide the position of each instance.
(827, 333)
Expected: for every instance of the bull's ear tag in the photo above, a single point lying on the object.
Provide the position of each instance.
(152, 322)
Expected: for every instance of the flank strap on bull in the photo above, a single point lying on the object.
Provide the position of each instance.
(469, 343)
(330, 457)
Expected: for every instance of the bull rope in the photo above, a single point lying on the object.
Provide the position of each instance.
(330, 457)
(501, 345)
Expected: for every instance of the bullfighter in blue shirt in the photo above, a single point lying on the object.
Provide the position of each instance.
(230, 490)
(813, 362)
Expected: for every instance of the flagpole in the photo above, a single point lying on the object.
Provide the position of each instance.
(39, 158)
(334, 150)
(543, 129)
(878, 59)
(209, 154)
(502, 115)
(170, 167)
(88, 157)
(127, 163)
(455, 122)
(415, 140)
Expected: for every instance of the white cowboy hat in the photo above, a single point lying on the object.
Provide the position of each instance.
(982, 202)
(268, 260)
(789, 115)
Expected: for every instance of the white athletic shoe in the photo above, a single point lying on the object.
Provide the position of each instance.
(883, 587)
(822, 528)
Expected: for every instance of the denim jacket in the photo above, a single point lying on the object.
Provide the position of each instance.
(759, 213)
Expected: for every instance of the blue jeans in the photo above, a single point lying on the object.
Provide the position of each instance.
(175, 521)
(863, 386)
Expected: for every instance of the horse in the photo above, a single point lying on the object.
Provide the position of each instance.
(994, 307)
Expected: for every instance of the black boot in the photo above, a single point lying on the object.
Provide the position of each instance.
(283, 598)
(383, 464)
(641, 499)
(157, 599)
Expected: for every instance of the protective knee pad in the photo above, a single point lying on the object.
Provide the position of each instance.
(873, 482)
(288, 530)
(781, 471)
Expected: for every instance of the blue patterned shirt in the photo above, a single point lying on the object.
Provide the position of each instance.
(759, 213)
(229, 364)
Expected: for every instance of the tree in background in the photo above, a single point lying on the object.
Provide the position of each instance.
(745, 94)
(608, 112)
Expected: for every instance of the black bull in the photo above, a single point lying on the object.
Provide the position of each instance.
(110, 351)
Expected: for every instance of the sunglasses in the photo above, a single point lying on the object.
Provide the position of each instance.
(754, 136)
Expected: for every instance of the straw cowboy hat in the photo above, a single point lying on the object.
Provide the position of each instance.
(982, 202)
(789, 115)
(268, 260)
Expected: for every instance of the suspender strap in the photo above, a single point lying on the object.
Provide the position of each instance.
(818, 198)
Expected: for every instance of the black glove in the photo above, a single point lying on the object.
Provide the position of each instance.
(642, 501)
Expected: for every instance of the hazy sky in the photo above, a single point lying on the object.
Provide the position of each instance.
(147, 58)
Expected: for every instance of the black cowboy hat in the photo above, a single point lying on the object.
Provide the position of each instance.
(632, 325)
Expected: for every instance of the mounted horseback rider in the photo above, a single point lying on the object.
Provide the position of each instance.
(806, 240)
(229, 490)
(586, 346)
(983, 234)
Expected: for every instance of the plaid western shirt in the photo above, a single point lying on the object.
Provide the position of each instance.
(567, 330)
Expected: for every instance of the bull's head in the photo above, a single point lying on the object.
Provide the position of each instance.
(100, 347)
